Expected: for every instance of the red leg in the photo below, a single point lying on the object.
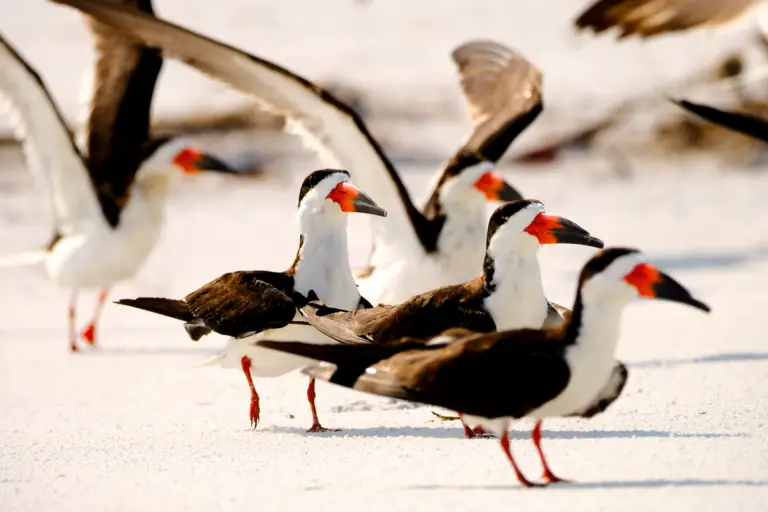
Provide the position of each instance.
(520, 477)
(480, 432)
(254, 410)
(468, 432)
(548, 475)
(72, 319)
(89, 333)
(316, 426)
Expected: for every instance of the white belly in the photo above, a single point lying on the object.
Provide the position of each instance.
(587, 381)
(266, 362)
(103, 256)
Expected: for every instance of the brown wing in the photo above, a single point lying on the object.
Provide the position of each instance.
(246, 302)
(118, 123)
(422, 316)
(491, 375)
(648, 18)
(503, 91)
(342, 326)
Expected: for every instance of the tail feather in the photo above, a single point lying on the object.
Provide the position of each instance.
(24, 259)
(196, 330)
(173, 308)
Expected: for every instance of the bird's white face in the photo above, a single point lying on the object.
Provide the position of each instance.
(625, 278)
(473, 186)
(317, 202)
(516, 235)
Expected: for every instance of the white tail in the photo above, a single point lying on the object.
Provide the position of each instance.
(24, 259)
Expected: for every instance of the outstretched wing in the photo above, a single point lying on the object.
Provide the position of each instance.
(117, 128)
(331, 127)
(649, 18)
(50, 151)
(503, 93)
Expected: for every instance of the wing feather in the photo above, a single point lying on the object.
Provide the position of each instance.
(51, 154)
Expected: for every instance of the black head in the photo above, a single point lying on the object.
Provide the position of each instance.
(316, 177)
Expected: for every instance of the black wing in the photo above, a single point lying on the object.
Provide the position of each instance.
(490, 375)
(118, 123)
(246, 302)
(747, 124)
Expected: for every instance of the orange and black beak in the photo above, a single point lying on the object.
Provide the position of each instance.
(193, 161)
(495, 188)
(550, 229)
(653, 283)
(352, 199)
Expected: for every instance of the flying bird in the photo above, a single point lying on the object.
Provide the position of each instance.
(107, 200)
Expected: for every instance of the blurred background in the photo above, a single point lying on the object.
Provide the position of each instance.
(391, 59)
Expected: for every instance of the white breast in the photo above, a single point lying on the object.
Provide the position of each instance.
(518, 300)
(591, 360)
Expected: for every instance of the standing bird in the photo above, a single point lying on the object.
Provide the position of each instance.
(498, 377)
(649, 18)
(414, 251)
(262, 303)
(507, 295)
(108, 205)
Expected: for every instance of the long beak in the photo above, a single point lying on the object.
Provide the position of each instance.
(653, 283)
(550, 229)
(352, 199)
(193, 161)
(495, 188)
(209, 163)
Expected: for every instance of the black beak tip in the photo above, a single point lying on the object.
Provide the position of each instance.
(595, 242)
(509, 193)
(700, 305)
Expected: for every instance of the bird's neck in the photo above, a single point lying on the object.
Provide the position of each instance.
(595, 322)
(322, 264)
(514, 292)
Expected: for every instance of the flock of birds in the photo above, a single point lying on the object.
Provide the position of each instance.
(461, 315)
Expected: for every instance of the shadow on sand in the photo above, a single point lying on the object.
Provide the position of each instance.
(457, 433)
(615, 484)
(734, 357)
(712, 260)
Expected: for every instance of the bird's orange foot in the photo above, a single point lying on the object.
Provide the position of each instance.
(254, 413)
(316, 427)
(89, 334)
(551, 478)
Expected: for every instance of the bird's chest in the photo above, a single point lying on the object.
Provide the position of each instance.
(461, 247)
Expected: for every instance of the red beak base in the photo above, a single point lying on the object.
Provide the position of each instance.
(187, 159)
(344, 195)
(543, 226)
(644, 277)
(490, 184)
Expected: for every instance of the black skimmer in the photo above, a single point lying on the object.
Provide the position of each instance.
(498, 377)
(507, 295)
(107, 201)
(649, 18)
(413, 251)
(747, 124)
(246, 303)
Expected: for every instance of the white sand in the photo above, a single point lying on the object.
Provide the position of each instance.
(135, 426)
